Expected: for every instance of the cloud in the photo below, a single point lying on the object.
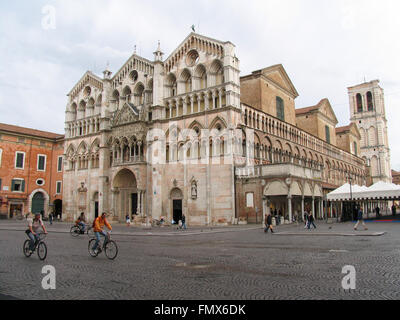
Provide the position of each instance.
(325, 46)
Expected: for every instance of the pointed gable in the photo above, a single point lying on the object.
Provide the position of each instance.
(88, 78)
(128, 114)
(198, 42)
(325, 108)
(277, 75)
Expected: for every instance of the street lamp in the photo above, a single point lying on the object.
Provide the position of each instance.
(351, 195)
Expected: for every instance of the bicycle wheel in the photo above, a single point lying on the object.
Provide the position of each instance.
(26, 249)
(42, 251)
(111, 250)
(75, 231)
(90, 246)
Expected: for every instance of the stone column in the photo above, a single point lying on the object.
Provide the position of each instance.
(191, 104)
(302, 207)
(289, 198)
(139, 200)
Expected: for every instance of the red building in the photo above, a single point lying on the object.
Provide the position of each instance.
(31, 171)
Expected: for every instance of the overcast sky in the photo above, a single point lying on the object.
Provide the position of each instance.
(324, 45)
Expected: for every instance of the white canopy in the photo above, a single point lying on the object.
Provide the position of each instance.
(380, 190)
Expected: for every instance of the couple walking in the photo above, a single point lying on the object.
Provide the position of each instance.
(309, 220)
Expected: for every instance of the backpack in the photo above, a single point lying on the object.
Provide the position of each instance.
(94, 221)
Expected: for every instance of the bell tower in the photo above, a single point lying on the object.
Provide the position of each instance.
(367, 111)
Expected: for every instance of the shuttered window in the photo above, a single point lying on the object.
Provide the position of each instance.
(327, 134)
(18, 185)
(280, 109)
(59, 164)
(41, 162)
(19, 160)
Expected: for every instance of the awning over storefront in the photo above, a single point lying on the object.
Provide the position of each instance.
(378, 191)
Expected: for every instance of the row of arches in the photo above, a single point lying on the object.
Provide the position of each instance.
(83, 127)
(85, 108)
(198, 79)
(83, 156)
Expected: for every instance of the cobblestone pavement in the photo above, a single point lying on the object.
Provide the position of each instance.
(223, 263)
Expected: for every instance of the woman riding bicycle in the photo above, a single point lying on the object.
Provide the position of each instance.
(34, 224)
(98, 226)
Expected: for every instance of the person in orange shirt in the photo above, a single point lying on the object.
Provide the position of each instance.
(98, 226)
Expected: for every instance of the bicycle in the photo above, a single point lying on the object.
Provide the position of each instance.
(157, 223)
(109, 247)
(75, 231)
(40, 246)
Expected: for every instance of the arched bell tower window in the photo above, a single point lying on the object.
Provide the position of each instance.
(359, 103)
(369, 101)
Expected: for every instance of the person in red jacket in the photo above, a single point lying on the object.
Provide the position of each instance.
(98, 226)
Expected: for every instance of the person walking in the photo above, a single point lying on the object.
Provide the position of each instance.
(377, 210)
(311, 221)
(183, 222)
(51, 215)
(360, 217)
(268, 224)
(128, 220)
(393, 210)
(305, 219)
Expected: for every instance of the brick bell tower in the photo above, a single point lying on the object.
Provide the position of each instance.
(367, 111)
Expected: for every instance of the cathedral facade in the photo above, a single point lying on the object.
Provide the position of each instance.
(186, 135)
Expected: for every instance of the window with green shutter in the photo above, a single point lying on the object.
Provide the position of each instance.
(19, 161)
(18, 185)
(41, 165)
(327, 134)
(280, 109)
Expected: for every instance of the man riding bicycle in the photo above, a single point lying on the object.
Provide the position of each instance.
(81, 222)
(33, 225)
(98, 226)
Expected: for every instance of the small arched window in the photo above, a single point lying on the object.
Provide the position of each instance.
(359, 103)
(280, 109)
(369, 101)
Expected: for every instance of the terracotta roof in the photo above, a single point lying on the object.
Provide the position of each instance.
(31, 132)
(343, 129)
(309, 109)
(395, 173)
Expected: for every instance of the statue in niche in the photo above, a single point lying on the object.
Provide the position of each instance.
(194, 190)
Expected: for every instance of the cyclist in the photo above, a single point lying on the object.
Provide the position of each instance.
(98, 225)
(33, 225)
(81, 222)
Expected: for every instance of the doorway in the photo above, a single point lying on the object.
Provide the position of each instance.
(38, 203)
(177, 210)
(96, 209)
(134, 202)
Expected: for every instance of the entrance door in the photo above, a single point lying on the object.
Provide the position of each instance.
(134, 201)
(96, 209)
(177, 207)
(38, 203)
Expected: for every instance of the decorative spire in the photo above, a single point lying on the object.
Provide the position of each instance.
(158, 54)
(107, 73)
